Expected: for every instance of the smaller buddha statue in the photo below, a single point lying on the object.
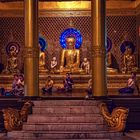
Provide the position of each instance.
(12, 61)
(53, 65)
(70, 58)
(129, 62)
(42, 62)
(85, 66)
(110, 69)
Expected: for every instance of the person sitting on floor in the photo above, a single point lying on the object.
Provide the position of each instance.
(2, 91)
(18, 85)
(48, 86)
(68, 82)
(89, 90)
(14, 86)
(132, 83)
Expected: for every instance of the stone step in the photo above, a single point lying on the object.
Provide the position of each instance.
(65, 120)
(67, 114)
(66, 109)
(63, 135)
(51, 139)
(66, 103)
(65, 127)
(2, 134)
(61, 119)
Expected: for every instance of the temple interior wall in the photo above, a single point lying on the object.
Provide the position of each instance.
(12, 29)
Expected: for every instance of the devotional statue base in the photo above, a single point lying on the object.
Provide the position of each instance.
(67, 70)
(111, 70)
(42, 70)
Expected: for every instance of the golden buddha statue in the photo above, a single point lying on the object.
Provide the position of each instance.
(129, 62)
(109, 64)
(70, 58)
(12, 61)
(42, 62)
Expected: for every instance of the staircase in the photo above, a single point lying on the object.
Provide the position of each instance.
(63, 120)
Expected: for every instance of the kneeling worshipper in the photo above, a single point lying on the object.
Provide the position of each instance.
(10, 93)
(132, 83)
(18, 85)
(48, 86)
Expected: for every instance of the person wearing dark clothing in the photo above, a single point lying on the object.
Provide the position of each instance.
(132, 83)
(68, 82)
(2, 91)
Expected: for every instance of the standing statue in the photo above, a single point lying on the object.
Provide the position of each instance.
(53, 65)
(70, 58)
(129, 62)
(12, 61)
(85, 66)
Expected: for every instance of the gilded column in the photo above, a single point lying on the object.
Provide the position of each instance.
(31, 50)
(98, 48)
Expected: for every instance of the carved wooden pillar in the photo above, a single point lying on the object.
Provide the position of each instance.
(98, 48)
(31, 50)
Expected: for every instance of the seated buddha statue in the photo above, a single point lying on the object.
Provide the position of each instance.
(12, 62)
(70, 58)
(42, 62)
(110, 69)
(129, 62)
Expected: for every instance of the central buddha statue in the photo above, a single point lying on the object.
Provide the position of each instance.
(70, 59)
